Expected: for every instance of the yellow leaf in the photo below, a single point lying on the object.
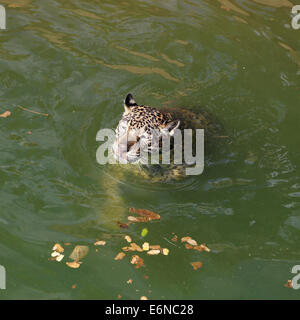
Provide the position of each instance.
(146, 246)
(165, 251)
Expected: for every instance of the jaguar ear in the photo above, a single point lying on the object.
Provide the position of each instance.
(170, 127)
(129, 102)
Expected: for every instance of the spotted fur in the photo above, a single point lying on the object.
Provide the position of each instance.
(135, 129)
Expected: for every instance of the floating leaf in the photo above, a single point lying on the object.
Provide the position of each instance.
(133, 247)
(132, 219)
(139, 262)
(153, 252)
(165, 251)
(74, 264)
(192, 242)
(120, 256)
(119, 296)
(155, 247)
(144, 298)
(185, 239)
(128, 238)
(175, 238)
(205, 247)
(144, 232)
(79, 252)
(289, 284)
(57, 247)
(74, 286)
(59, 258)
(129, 281)
(200, 248)
(188, 246)
(146, 214)
(55, 254)
(122, 225)
(5, 114)
(196, 265)
(146, 246)
(100, 243)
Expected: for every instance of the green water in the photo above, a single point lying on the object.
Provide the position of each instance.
(76, 61)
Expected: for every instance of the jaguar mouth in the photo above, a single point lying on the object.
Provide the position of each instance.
(125, 151)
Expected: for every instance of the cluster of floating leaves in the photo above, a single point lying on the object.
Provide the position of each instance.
(77, 254)
(80, 251)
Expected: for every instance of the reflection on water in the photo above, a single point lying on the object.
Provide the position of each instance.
(76, 61)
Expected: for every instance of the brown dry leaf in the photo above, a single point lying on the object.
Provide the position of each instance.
(122, 225)
(225, 8)
(139, 262)
(58, 248)
(74, 264)
(129, 281)
(196, 265)
(133, 247)
(120, 256)
(289, 284)
(189, 240)
(153, 252)
(146, 276)
(144, 298)
(202, 247)
(185, 239)
(79, 252)
(5, 114)
(74, 286)
(67, 243)
(175, 238)
(188, 246)
(146, 214)
(128, 238)
(155, 247)
(119, 296)
(100, 243)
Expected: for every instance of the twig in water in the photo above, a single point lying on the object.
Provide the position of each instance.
(35, 112)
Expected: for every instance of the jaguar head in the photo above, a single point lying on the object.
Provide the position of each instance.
(140, 131)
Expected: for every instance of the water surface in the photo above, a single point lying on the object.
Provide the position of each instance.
(76, 61)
